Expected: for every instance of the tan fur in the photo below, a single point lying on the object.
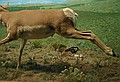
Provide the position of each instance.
(38, 24)
(71, 14)
(0, 16)
(34, 32)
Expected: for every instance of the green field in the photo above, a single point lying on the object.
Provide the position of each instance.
(102, 17)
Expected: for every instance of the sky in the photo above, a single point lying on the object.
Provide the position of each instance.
(18, 2)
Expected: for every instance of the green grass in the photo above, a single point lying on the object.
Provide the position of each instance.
(104, 6)
(104, 25)
(102, 19)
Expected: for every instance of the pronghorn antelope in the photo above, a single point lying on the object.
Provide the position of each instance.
(38, 24)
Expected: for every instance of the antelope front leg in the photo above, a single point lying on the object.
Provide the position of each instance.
(23, 42)
(6, 39)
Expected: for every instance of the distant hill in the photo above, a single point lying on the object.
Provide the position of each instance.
(104, 6)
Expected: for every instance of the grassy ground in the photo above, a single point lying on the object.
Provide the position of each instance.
(43, 61)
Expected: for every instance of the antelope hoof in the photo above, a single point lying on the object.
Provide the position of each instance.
(112, 53)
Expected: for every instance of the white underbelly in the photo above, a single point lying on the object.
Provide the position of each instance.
(35, 32)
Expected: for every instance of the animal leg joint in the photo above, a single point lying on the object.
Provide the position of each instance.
(108, 51)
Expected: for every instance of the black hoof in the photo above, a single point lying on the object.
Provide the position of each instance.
(114, 55)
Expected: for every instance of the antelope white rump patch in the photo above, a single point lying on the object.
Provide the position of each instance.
(71, 14)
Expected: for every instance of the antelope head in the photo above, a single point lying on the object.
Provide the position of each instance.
(3, 9)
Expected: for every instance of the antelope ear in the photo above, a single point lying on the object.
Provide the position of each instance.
(5, 6)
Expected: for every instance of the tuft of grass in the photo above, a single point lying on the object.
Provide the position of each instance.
(97, 64)
(9, 74)
(72, 75)
(8, 63)
(36, 44)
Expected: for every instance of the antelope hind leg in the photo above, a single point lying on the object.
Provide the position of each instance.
(89, 35)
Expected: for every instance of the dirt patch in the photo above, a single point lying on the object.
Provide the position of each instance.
(46, 64)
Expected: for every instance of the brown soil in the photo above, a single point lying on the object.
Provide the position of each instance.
(45, 64)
